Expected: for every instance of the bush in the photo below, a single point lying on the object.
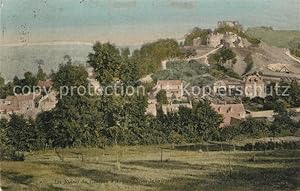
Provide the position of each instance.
(197, 32)
(10, 154)
(260, 146)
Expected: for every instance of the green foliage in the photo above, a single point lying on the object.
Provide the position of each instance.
(223, 55)
(196, 33)
(218, 60)
(227, 29)
(148, 58)
(6, 90)
(263, 146)
(69, 75)
(106, 61)
(29, 80)
(294, 47)
(191, 72)
(251, 128)
(110, 64)
(253, 41)
(41, 75)
(279, 38)
(22, 134)
(72, 123)
(161, 97)
(2, 81)
(271, 102)
(249, 61)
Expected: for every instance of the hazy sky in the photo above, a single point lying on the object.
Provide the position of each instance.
(131, 20)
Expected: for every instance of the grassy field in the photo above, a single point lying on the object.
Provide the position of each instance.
(279, 38)
(141, 168)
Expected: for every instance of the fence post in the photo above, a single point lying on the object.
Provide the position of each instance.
(161, 154)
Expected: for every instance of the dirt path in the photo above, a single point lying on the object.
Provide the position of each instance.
(292, 57)
(164, 62)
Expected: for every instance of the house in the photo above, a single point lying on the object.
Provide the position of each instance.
(254, 86)
(279, 68)
(151, 108)
(227, 85)
(231, 113)
(28, 105)
(47, 84)
(173, 88)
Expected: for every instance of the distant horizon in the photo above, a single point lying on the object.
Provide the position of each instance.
(90, 43)
(131, 22)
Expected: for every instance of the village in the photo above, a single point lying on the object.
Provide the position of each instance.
(152, 95)
(223, 95)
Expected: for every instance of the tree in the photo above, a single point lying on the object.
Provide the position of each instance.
(207, 119)
(295, 47)
(106, 61)
(76, 120)
(2, 81)
(161, 97)
(253, 128)
(149, 57)
(29, 80)
(21, 133)
(69, 75)
(282, 119)
(41, 75)
(6, 90)
(197, 32)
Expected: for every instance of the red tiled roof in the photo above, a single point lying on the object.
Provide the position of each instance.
(229, 111)
(169, 82)
(18, 98)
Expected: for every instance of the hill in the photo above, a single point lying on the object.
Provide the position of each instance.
(279, 38)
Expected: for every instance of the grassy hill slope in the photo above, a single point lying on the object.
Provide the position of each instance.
(279, 38)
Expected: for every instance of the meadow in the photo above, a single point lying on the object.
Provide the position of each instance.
(153, 168)
(279, 38)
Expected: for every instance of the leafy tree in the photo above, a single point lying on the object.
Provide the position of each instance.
(6, 90)
(106, 61)
(41, 75)
(21, 133)
(29, 79)
(75, 121)
(2, 81)
(161, 97)
(129, 73)
(253, 127)
(148, 58)
(197, 32)
(249, 61)
(69, 75)
(207, 119)
(295, 47)
(283, 120)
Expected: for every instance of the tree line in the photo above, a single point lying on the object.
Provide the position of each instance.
(98, 121)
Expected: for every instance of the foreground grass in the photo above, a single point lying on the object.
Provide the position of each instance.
(279, 38)
(140, 168)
